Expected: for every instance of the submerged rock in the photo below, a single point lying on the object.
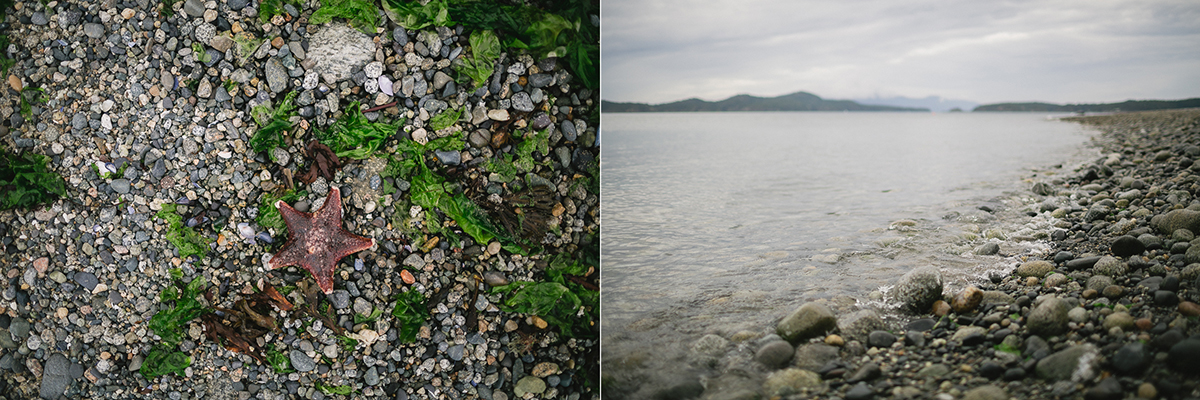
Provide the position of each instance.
(918, 289)
(809, 321)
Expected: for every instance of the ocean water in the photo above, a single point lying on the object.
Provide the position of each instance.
(718, 222)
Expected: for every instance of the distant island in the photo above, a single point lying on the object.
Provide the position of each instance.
(1130, 105)
(799, 101)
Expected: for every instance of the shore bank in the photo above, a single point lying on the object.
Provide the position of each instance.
(1106, 311)
(211, 112)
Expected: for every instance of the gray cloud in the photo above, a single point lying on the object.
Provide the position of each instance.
(1060, 51)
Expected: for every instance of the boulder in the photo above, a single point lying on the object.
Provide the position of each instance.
(1176, 219)
(809, 321)
(918, 289)
(1049, 318)
(1077, 363)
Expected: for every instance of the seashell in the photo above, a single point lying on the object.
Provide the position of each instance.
(183, 201)
(197, 220)
(246, 231)
(266, 237)
(385, 85)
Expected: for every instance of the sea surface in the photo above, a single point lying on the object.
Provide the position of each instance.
(719, 222)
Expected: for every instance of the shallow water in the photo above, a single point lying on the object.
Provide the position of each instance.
(724, 221)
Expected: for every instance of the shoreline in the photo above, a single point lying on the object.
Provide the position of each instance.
(970, 354)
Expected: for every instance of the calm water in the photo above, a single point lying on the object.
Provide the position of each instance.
(731, 220)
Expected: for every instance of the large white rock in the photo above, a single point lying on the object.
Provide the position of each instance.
(338, 50)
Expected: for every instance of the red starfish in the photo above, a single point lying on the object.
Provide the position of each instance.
(317, 241)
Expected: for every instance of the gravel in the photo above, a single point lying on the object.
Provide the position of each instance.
(124, 88)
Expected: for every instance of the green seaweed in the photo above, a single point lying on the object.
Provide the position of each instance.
(348, 343)
(508, 165)
(561, 29)
(273, 124)
(410, 313)
(1005, 347)
(5, 62)
(268, 214)
(342, 389)
(361, 14)
(359, 318)
(168, 324)
(246, 46)
(201, 53)
(354, 136)
(413, 15)
(485, 49)
(445, 119)
(184, 238)
(163, 360)
(563, 303)
(25, 181)
(278, 361)
(270, 8)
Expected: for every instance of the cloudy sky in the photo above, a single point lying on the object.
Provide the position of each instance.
(657, 51)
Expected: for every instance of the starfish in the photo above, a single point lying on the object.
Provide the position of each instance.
(317, 241)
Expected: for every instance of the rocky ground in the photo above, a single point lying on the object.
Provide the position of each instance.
(1109, 311)
(134, 118)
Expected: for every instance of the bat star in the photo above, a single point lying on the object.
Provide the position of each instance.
(316, 241)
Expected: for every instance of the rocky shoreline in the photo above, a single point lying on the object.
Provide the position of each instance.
(144, 107)
(1107, 311)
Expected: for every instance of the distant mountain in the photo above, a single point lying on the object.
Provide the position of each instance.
(934, 103)
(799, 101)
(1129, 105)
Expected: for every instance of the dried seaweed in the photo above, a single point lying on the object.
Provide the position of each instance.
(324, 163)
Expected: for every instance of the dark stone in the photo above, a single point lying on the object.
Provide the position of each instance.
(974, 339)
(1082, 263)
(1170, 283)
(860, 392)
(1131, 358)
(1183, 356)
(866, 373)
(1063, 256)
(914, 338)
(990, 370)
(920, 325)
(1014, 374)
(881, 339)
(1167, 340)
(86, 279)
(1108, 389)
(1163, 298)
(1126, 246)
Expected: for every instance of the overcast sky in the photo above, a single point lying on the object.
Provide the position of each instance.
(657, 51)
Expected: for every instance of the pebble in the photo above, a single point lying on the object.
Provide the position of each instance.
(300, 361)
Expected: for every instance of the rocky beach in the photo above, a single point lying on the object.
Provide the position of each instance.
(1097, 300)
(178, 131)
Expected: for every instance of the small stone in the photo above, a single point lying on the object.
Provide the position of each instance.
(1107, 389)
(1147, 391)
(987, 392)
(300, 361)
(941, 308)
(1126, 246)
(407, 277)
(881, 339)
(1189, 309)
(1037, 268)
(967, 300)
(775, 355)
(790, 381)
(834, 340)
(529, 385)
(498, 115)
(373, 70)
(860, 391)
